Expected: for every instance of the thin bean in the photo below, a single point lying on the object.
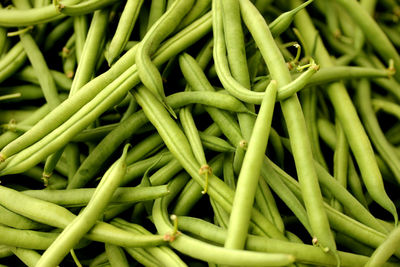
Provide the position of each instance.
(214, 99)
(250, 172)
(372, 32)
(27, 256)
(80, 197)
(303, 253)
(147, 70)
(210, 253)
(80, 32)
(137, 169)
(345, 111)
(199, 8)
(88, 59)
(191, 194)
(215, 143)
(236, 54)
(27, 239)
(221, 217)
(340, 159)
(385, 250)
(164, 254)
(57, 33)
(143, 257)
(285, 194)
(157, 9)
(82, 8)
(296, 127)
(28, 74)
(124, 29)
(267, 205)
(12, 219)
(12, 61)
(116, 256)
(371, 124)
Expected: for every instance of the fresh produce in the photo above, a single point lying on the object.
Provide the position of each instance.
(199, 133)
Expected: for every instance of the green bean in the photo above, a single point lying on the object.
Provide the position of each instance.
(250, 172)
(60, 217)
(215, 99)
(237, 56)
(303, 253)
(192, 192)
(90, 51)
(355, 246)
(267, 205)
(57, 181)
(308, 99)
(164, 254)
(340, 159)
(99, 260)
(82, 8)
(281, 23)
(69, 64)
(26, 92)
(28, 74)
(116, 256)
(210, 253)
(357, 210)
(331, 74)
(199, 8)
(13, 116)
(20, 17)
(372, 127)
(157, 8)
(221, 217)
(385, 250)
(55, 35)
(143, 257)
(296, 127)
(50, 165)
(386, 106)
(80, 24)
(124, 29)
(5, 251)
(71, 105)
(27, 239)
(372, 32)
(284, 193)
(165, 173)
(228, 172)
(215, 143)
(351, 124)
(191, 132)
(137, 169)
(147, 70)
(12, 61)
(27, 256)
(80, 197)
(11, 219)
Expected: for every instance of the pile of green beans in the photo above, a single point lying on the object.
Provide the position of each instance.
(199, 133)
